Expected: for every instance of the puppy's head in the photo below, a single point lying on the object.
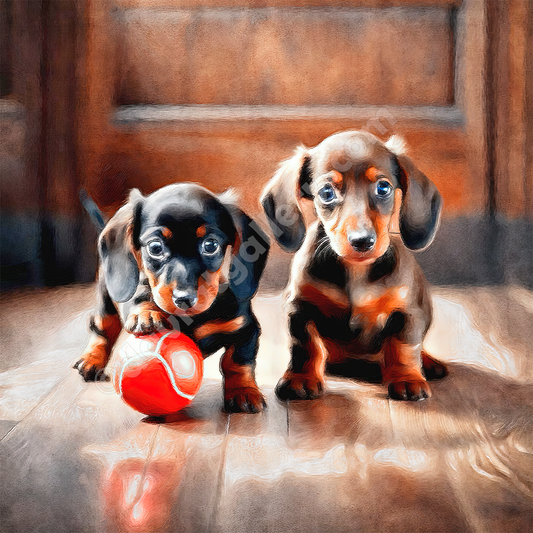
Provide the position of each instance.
(356, 182)
(179, 237)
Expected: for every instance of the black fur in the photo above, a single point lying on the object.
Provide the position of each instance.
(181, 218)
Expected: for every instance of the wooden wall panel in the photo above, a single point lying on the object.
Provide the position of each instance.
(247, 80)
(287, 56)
(20, 108)
(511, 107)
(282, 3)
(423, 60)
(246, 156)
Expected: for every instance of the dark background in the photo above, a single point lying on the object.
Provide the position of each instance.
(113, 94)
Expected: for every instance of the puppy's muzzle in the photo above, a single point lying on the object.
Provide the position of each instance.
(362, 241)
(184, 299)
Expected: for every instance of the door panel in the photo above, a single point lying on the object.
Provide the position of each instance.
(220, 91)
(287, 56)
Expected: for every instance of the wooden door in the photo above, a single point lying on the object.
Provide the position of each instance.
(114, 94)
(220, 91)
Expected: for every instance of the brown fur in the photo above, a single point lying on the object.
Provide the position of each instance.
(358, 312)
(219, 326)
(240, 387)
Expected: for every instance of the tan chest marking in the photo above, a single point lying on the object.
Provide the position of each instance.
(374, 310)
(219, 326)
(330, 300)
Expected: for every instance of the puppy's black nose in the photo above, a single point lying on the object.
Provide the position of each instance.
(362, 241)
(184, 299)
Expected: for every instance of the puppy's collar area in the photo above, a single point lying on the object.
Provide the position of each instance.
(383, 265)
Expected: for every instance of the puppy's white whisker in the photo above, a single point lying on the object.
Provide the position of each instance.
(322, 247)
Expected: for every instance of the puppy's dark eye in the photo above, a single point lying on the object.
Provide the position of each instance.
(155, 248)
(210, 247)
(383, 188)
(327, 194)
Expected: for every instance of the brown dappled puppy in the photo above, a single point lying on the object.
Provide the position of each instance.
(356, 290)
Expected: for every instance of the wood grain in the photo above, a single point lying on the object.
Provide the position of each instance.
(220, 146)
(220, 157)
(283, 3)
(82, 460)
(286, 56)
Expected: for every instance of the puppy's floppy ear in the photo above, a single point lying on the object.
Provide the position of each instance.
(250, 251)
(117, 246)
(421, 206)
(281, 196)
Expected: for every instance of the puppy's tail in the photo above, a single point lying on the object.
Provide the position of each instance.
(94, 212)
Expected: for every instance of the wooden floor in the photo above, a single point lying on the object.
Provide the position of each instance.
(74, 458)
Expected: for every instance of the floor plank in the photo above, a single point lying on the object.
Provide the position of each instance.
(256, 456)
(170, 481)
(34, 321)
(6, 426)
(193, 447)
(42, 335)
(50, 483)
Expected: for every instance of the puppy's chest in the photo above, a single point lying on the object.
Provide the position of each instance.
(371, 305)
(361, 307)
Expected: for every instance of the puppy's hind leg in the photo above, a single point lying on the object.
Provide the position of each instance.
(432, 368)
(105, 327)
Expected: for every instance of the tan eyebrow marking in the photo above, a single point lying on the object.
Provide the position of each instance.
(201, 231)
(372, 174)
(167, 234)
(337, 177)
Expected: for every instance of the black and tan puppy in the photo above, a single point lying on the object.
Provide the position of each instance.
(187, 258)
(356, 290)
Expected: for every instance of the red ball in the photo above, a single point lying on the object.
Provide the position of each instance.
(158, 374)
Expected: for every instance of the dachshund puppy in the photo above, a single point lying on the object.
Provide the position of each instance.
(356, 290)
(182, 256)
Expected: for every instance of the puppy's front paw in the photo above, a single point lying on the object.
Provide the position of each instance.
(299, 387)
(92, 363)
(244, 400)
(146, 321)
(413, 390)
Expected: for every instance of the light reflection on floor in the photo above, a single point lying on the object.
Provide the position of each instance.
(467, 453)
